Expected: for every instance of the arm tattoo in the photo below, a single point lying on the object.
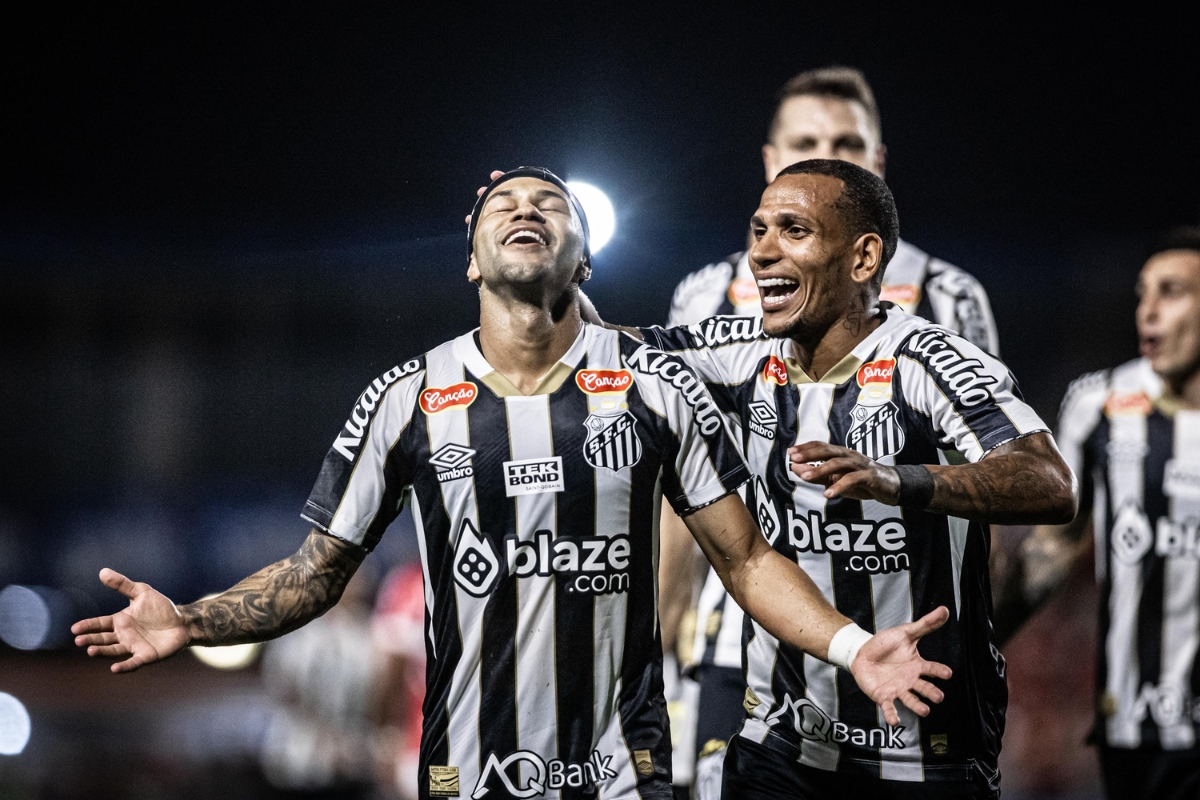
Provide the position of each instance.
(279, 598)
(1022, 482)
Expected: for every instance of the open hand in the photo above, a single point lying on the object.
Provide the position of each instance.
(150, 630)
(479, 192)
(845, 472)
(889, 668)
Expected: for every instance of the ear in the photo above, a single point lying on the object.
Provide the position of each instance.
(868, 258)
(770, 155)
(583, 272)
(473, 274)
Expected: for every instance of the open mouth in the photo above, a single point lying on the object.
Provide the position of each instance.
(1148, 346)
(525, 236)
(776, 292)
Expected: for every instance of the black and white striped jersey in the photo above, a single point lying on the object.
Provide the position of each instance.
(1137, 454)
(917, 282)
(910, 393)
(537, 524)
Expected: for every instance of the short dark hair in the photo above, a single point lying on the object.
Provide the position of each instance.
(843, 83)
(866, 203)
(1183, 237)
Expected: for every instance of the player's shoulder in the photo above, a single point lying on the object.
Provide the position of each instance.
(701, 292)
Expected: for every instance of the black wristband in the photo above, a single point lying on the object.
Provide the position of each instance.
(916, 486)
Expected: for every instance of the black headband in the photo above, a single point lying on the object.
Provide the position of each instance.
(542, 174)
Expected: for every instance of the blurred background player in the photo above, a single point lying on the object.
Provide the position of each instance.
(398, 633)
(1132, 436)
(821, 113)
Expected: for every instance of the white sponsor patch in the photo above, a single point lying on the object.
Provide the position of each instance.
(533, 476)
(1182, 479)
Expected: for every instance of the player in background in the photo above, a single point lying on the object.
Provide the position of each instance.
(532, 450)
(1132, 435)
(881, 447)
(822, 113)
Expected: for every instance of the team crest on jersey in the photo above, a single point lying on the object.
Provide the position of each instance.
(612, 441)
(875, 430)
(476, 568)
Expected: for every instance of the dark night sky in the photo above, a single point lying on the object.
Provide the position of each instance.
(207, 204)
(274, 126)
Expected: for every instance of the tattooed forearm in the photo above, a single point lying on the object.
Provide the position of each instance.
(1022, 482)
(279, 598)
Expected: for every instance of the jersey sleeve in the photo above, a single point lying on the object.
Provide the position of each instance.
(366, 473)
(721, 350)
(970, 397)
(1080, 413)
(704, 464)
(699, 295)
(960, 303)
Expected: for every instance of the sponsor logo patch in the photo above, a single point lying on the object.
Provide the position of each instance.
(1137, 404)
(355, 427)
(435, 400)
(877, 547)
(643, 762)
(453, 462)
(964, 378)
(744, 292)
(1131, 534)
(876, 372)
(764, 511)
(905, 295)
(589, 564)
(602, 381)
(814, 724)
(612, 441)
(775, 371)
(533, 476)
(727, 330)
(1182, 479)
(939, 744)
(649, 361)
(443, 781)
(525, 774)
(476, 568)
(763, 419)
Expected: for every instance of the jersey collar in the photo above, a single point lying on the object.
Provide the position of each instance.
(467, 348)
(848, 366)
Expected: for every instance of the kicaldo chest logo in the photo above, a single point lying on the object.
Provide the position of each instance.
(604, 381)
(775, 371)
(876, 547)
(352, 432)
(525, 774)
(435, 400)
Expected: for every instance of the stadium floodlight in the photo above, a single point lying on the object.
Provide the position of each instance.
(602, 219)
(14, 725)
(24, 618)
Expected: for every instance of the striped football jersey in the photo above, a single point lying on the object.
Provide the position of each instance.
(1137, 454)
(914, 280)
(910, 393)
(536, 519)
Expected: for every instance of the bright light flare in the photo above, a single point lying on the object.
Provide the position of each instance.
(229, 657)
(24, 618)
(602, 219)
(14, 725)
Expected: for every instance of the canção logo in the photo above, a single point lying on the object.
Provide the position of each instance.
(434, 400)
(599, 381)
(775, 371)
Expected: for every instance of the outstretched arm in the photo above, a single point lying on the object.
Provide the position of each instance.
(1020, 482)
(273, 601)
(778, 595)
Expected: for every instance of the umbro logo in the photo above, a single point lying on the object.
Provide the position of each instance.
(453, 462)
(763, 419)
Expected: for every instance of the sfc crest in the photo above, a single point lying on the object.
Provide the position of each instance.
(875, 430)
(612, 441)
